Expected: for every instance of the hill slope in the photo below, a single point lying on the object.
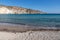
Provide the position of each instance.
(17, 10)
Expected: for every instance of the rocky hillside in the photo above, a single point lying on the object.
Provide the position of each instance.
(17, 10)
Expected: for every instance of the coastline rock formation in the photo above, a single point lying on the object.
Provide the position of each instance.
(17, 10)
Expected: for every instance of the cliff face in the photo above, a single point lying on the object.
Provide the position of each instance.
(17, 10)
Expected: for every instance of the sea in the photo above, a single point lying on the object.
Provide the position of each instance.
(37, 20)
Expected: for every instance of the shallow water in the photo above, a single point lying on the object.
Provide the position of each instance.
(44, 20)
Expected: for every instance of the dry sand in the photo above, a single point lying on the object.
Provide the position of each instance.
(30, 35)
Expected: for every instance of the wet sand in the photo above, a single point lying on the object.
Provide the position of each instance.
(24, 28)
(23, 32)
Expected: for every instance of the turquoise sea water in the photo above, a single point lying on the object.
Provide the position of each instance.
(45, 20)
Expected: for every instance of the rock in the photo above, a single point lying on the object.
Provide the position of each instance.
(17, 10)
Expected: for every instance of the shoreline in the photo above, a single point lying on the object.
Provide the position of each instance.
(22, 32)
(24, 28)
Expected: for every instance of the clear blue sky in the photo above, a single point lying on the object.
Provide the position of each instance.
(51, 6)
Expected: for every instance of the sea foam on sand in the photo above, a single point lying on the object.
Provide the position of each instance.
(30, 35)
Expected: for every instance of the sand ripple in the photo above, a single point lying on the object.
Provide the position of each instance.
(30, 35)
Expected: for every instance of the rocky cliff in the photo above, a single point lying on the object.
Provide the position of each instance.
(17, 10)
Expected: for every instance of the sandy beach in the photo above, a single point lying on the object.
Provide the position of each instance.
(24, 28)
(29, 19)
(30, 35)
(22, 32)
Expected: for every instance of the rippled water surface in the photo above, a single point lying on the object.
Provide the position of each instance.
(46, 20)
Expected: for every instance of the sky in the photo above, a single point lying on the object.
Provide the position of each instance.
(49, 6)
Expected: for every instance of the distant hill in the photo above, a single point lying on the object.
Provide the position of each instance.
(17, 10)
